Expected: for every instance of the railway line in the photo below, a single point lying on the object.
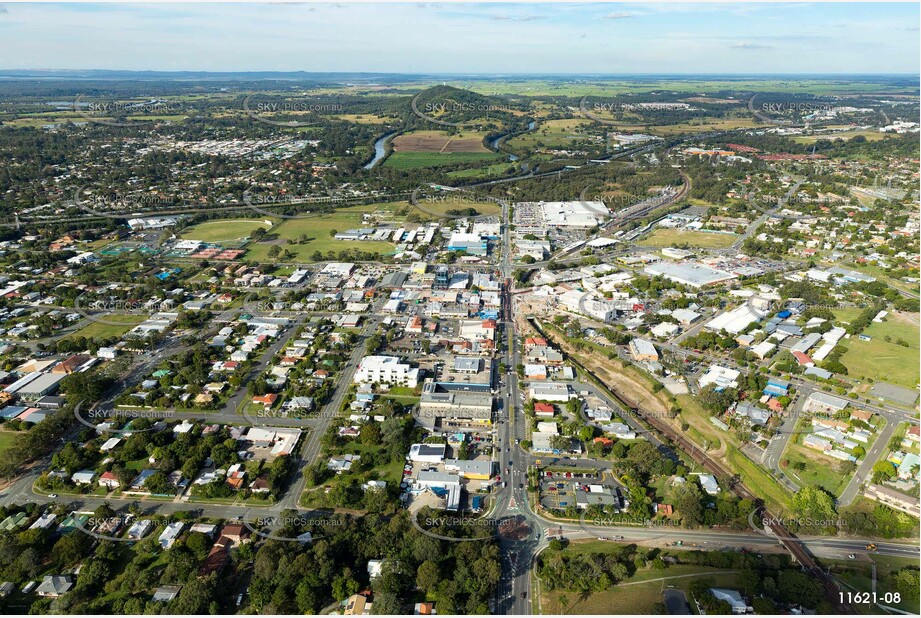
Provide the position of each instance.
(787, 539)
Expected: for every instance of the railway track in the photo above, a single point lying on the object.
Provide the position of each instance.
(789, 541)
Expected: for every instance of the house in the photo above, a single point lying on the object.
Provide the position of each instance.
(267, 400)
(357, 605)
(424, 609)
(708, 484)
(895, 499)
(543, 409)
(909, 467)
(824, 403)
(170, 534)
(83, 477)
(235, 533)
(165, 594)
(109, 480)
(735, 600)
(54, 585)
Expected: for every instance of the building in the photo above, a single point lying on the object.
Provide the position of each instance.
(549, 391)
(708, 484)
(170, 534)
(735, 321)
(470, 469)
(54, 585)
(642, 350)
(472, 244)
(735, 600)
(689, 273)
(720, 377)
(895, 499)
(443, 485)
(453, 407)
(386, 370)
(427, 453)
(823, 403)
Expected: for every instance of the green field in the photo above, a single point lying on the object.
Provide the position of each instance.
(845, 135)
(885, 361)
(820, 470)
(418, 160)
(120, 324)
(551, 134)
(223, 230)
(318, 228)
(7, 439)
(662, 237)
(635, 595)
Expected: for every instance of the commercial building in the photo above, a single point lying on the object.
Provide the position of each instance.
(549, 391)
(386, 370)
(427, 453)
(642, 350)
(689, 273)
(472, 244)
(443, 485)
(735, 321)
(824, 403)
(453, 408)
(470, 469)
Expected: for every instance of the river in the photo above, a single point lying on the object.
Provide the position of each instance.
(380, 150)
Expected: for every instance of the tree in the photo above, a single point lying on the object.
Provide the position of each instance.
(428, 575)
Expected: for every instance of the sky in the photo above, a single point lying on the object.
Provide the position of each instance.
(486, 38)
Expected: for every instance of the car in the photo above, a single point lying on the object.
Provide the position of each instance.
(240, 599)
(52, 495)
(852, 556)
(520, 485)
(524, 595)
(871, 547)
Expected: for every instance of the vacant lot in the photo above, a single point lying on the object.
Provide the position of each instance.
(366, 118)
(440, 142)
(117, 326)
(670, 238)
(224, 230)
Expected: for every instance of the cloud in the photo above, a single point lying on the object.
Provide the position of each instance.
(3, 9)
(618, 16)
(516, 17)
(749, 45)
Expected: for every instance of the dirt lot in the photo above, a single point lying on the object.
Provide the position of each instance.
(439, 141)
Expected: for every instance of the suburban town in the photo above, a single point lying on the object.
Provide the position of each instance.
(404, 344)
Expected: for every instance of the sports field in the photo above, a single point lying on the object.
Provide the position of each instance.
(662, 237)
(224, 230)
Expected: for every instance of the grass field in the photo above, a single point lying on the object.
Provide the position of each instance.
(845, 135)
(496, 169)
(223, 230)
(118, 326)
(662, 237)
(318, 230)
(7, 439)
(885, 361)
(636, 595)
(820, 470)
(551, 134)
